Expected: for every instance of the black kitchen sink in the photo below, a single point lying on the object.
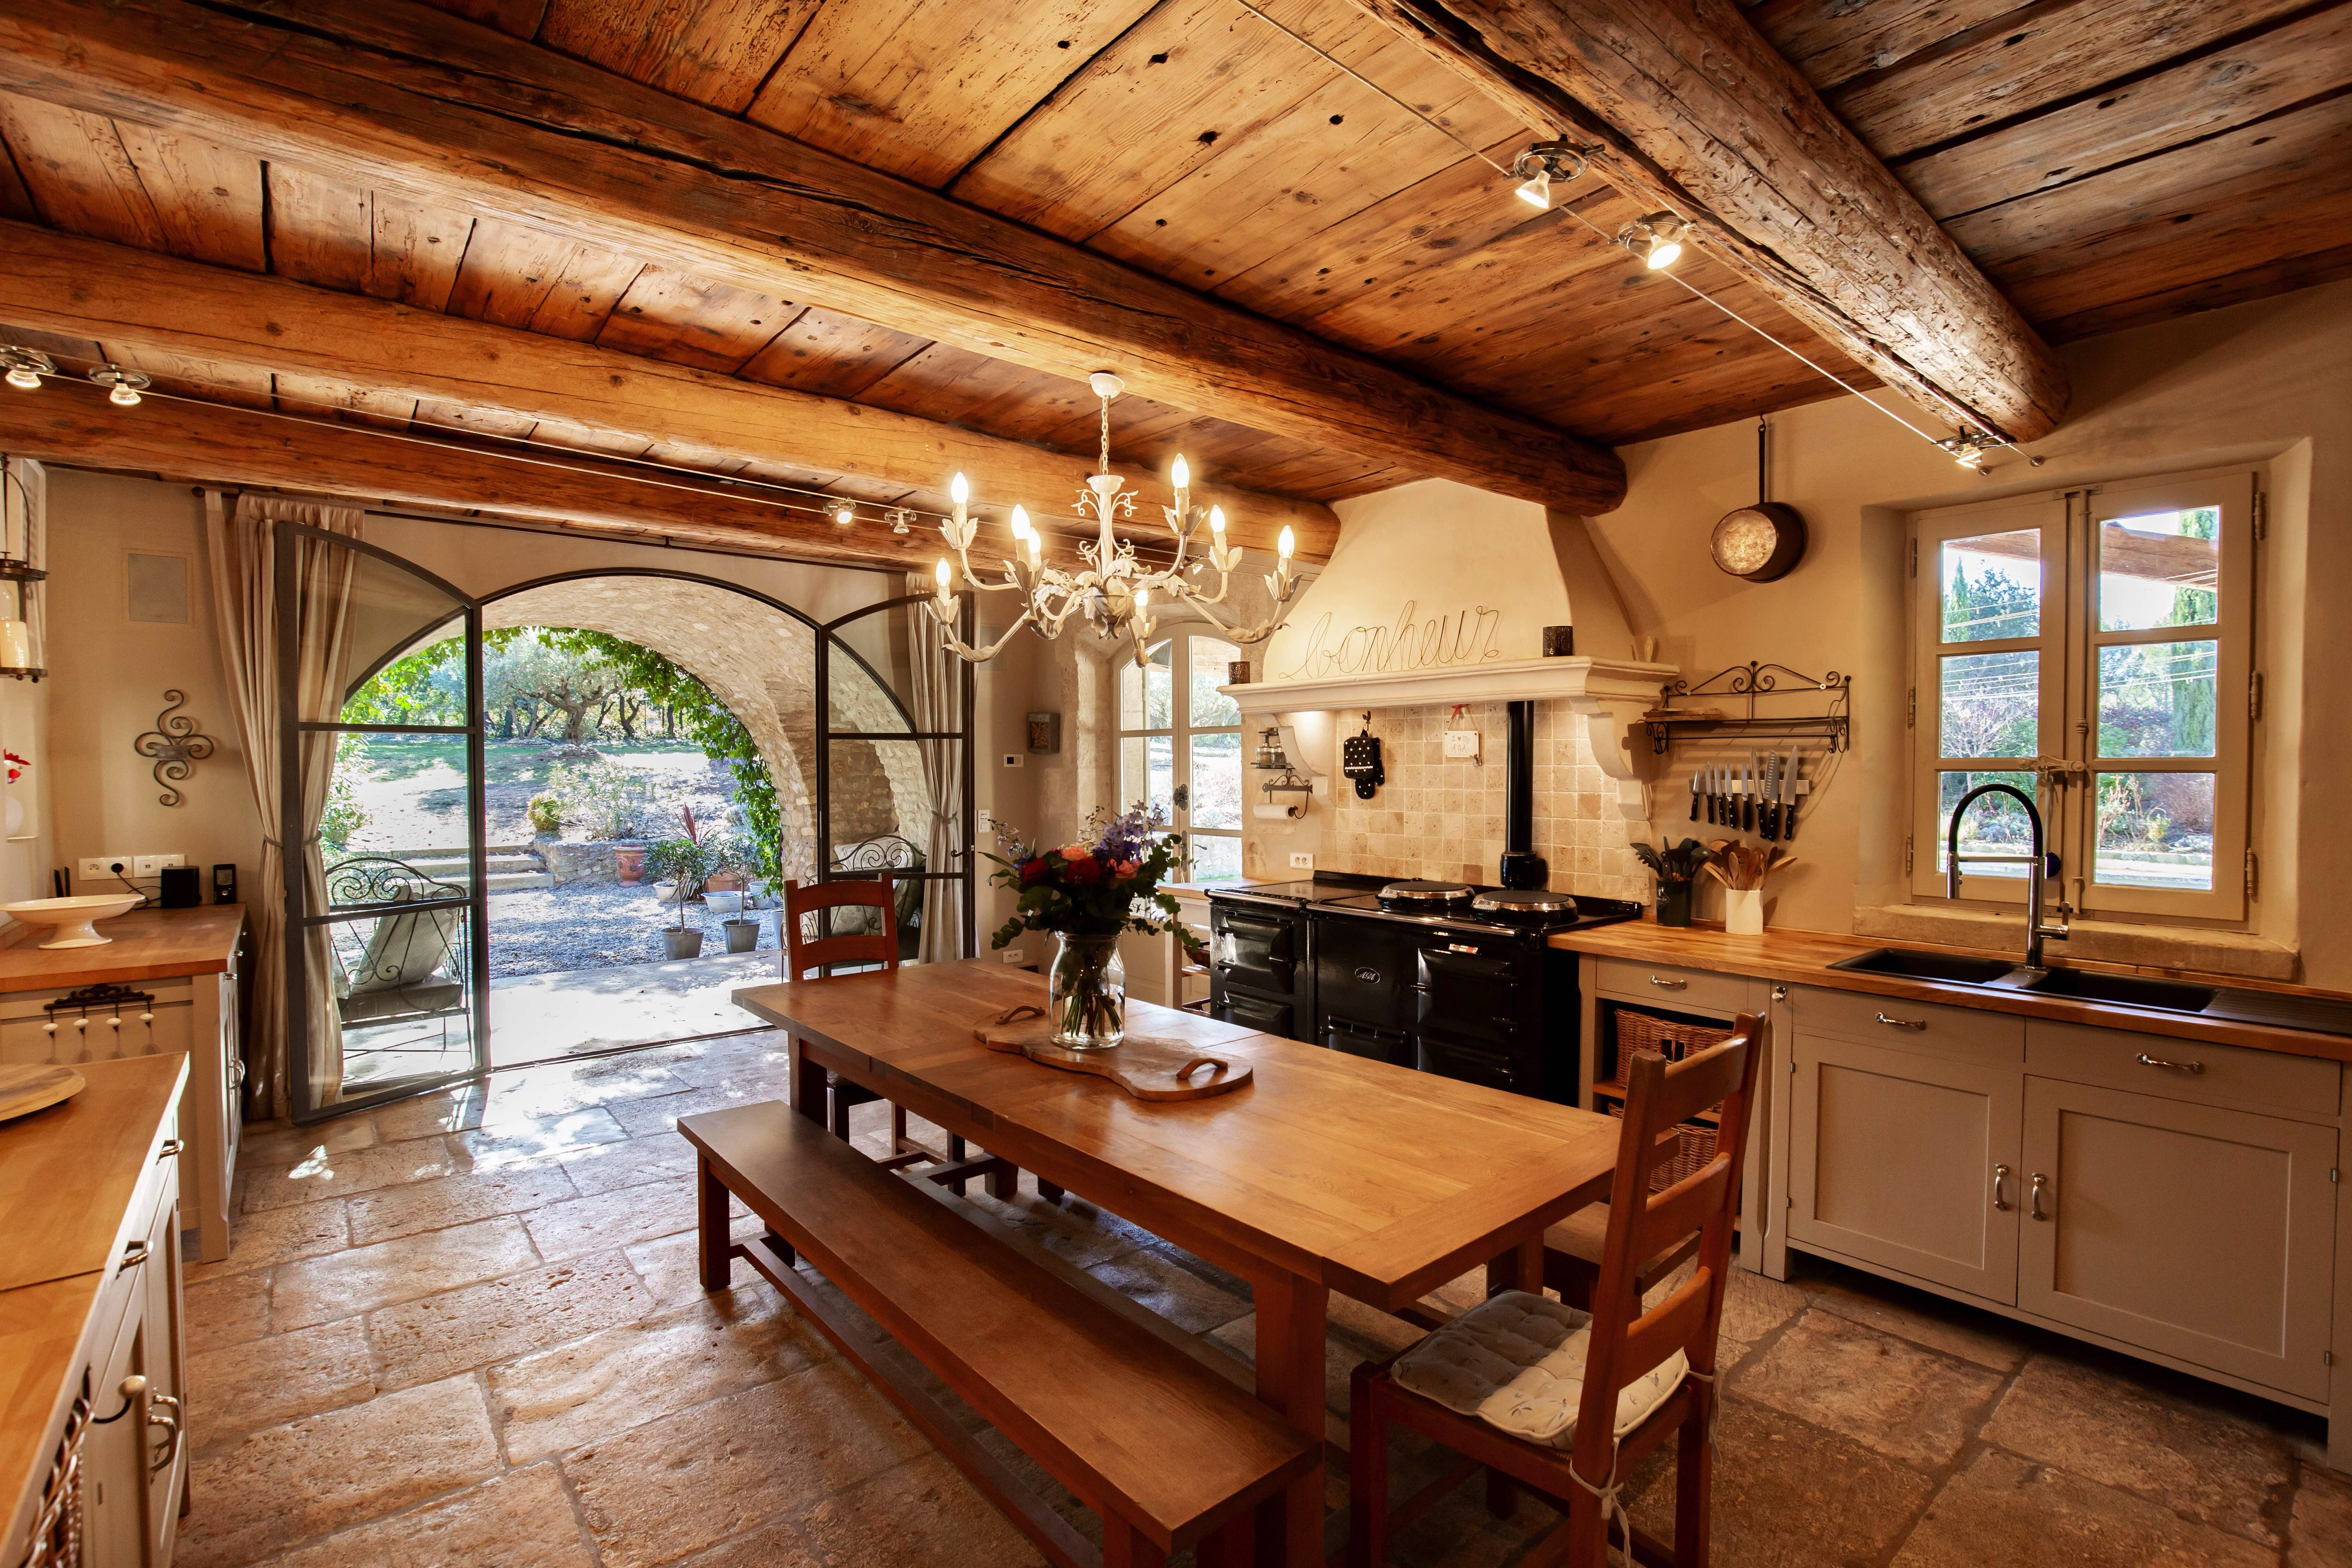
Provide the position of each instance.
(2126, 990)
(1911, 965)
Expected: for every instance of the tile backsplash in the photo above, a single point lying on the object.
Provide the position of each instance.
(1443, 818)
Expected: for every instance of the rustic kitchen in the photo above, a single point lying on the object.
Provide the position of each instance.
(1418, 782)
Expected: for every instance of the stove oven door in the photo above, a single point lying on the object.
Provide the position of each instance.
(1393, 1046)
(1464, 992)
(1362, 967)
(1473, 1061)
(1256, 953)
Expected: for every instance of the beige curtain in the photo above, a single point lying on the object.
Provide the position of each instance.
(935, 673)
(241, 535)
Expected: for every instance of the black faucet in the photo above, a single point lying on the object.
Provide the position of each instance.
(2040, 865)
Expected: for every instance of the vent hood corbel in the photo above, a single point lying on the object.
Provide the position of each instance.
(1439, 593)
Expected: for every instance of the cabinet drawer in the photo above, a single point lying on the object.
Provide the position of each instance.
(2303, 1087)
(1910, 1025)
(1684, 988)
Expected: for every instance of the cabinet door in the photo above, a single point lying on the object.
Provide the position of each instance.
(163, 1355)
(1893, 1157)
(114, 1456)
(2195, 1232)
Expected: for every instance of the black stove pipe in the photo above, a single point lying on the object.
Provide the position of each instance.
(1522, 867)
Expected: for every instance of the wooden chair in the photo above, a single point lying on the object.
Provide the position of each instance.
(878, 947)
(1626, 1343)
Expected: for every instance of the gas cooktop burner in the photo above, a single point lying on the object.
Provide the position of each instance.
(1523, 903)
(1424, 895)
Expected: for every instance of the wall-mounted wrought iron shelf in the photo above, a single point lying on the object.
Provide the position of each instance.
(1747, 684)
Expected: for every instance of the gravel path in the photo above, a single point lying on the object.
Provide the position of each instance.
(588, 926)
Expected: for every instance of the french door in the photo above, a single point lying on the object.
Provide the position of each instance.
(387, 969)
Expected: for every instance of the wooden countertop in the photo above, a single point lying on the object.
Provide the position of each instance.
(148, 944)
(67, 1177)
(1804, 957)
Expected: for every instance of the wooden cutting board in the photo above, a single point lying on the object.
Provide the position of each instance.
(1146, 1067)
(37, 1087)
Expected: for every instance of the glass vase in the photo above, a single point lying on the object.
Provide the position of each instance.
(1087, 988)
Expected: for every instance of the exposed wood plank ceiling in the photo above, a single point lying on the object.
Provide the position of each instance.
(2107, 162)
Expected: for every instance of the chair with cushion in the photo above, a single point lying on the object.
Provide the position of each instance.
(398, 975)
(1567, 1402)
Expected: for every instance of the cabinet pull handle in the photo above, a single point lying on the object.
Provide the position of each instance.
(1999, 1174)
(2149, 1061)
(134, 1254)
(169, 1147)
(170, 1425)
(1903, 1023)
(2040, 1181)
(1669, 984)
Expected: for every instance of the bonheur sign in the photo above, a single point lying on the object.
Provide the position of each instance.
(1410, 642)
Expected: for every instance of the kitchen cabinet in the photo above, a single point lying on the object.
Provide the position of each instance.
(2202, 1233)
(1907, 1159)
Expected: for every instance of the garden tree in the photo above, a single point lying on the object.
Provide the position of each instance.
(708, 723)
(573, 682)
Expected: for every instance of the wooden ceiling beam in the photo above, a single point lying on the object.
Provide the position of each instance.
(1692, 111)
(458, 116)
(113, 294)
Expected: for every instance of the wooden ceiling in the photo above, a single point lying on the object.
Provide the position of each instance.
(2105, 162)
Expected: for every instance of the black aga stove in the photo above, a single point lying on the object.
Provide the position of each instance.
(1440, 976)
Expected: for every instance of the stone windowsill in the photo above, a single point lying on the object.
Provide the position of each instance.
(2227, 953)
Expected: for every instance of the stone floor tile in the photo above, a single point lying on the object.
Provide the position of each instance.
(611, 1166)
(282, 1144)
(278, 1236)
(1754, 1306)
(923, 1514)
(2002, 1510)
(1924, 1320)
(320, 1289)
(779, 1545)
(290, 1484)
(459, 1199)
(671, 1268)
(500, 1319)
(2193, 1457)
(522, 1519)
(693, 1479)
(1177, 1294)
(1787, 1493)
(644, 1118)
(236, 1390)
(430, 1115)
(1894, 1396)
(557, 1400)
(543, 1141)
(535, 1093)
(225, 1311)
(334, 1175)
(761, 1057)
(2321, 1533)
(617, 1219)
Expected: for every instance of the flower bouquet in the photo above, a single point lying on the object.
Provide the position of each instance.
(1087, 894)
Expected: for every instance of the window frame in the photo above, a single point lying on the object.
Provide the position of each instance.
(2068, 765)
(1179, 732)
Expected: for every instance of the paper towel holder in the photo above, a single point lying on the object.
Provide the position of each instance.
(1274, 745)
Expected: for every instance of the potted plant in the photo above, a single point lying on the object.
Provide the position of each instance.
(742, 935)
(545, 814)
(1678, 867)
(685, 863)
(1085, 895)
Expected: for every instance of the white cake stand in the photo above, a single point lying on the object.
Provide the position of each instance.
(74, 919)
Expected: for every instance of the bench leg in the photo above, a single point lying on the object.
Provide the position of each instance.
(1004, 1185)
(956, 1157)
(1229, 1547)
(1048, 1191)
(808, 1082)
(1123, 1548)
(711, 1225)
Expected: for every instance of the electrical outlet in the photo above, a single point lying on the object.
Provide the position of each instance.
(1462, 743)
(1012, 759)
(153, 865)
(987, 821)
(1016, 955)
(106, 868)
(1300, 860)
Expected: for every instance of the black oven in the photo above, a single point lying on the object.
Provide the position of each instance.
(1259, 973)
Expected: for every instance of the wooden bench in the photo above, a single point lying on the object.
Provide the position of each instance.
(1168, 1453)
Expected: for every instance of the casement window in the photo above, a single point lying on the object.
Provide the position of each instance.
(2095, 649)
(1179, 745)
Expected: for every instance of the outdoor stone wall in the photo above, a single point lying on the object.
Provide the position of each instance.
(579, 863)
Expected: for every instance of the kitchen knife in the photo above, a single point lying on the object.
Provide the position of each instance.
(1769, 817)
(1747, 794)
(1722, 797)
(1789, 815)
(1694, 795)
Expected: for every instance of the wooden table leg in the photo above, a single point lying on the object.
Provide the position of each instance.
(808, 1082)
(1290, 1356)
(711, 1224)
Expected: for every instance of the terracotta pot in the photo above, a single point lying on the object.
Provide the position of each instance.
(725, 882)
(629, 863)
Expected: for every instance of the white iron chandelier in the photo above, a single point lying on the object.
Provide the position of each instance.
(1116, 592)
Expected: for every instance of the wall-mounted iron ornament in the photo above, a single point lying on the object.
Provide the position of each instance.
(174, 747)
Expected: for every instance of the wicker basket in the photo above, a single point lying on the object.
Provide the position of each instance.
(1645, 1033)
(1694, 1146)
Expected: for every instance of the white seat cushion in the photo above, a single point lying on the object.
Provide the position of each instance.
(1517, 1363)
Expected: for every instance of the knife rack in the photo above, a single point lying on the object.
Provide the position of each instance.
(1750, 684)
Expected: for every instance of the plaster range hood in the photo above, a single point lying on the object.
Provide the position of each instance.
(1438, 593)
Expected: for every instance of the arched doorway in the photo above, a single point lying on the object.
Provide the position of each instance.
(833, 709)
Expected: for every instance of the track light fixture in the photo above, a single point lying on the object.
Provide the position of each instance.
(1542, 163)
(845, 514)
(901, 520)
(1968, 448)
(124, 386)
(1658, 239)
(26, 366)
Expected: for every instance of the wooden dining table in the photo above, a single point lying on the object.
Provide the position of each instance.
(1326, 1172)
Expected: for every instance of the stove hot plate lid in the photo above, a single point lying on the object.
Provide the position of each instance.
(1417, 895)
(1527, 903)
